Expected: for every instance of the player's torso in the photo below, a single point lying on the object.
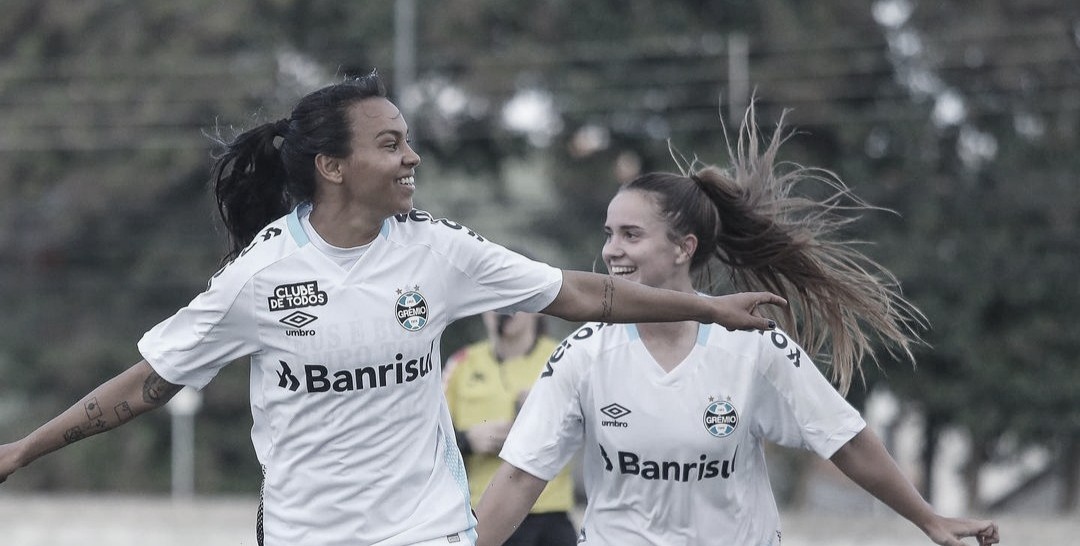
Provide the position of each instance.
(364, 332)
(668, 454)
(681, 426)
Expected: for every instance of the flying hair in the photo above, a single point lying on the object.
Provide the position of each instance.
(770, 237)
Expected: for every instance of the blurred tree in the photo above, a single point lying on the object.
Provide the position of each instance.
(962, 117)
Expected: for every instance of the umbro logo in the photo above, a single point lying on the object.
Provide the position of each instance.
(615, 412)
(297, 320)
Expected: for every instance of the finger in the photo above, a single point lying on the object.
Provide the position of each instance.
(760, 323)
(768, 298)
(989, 535)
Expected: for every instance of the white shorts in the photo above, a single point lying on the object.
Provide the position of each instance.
(464, 538)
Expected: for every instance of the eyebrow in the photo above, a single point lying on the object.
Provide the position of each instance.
(393, 132)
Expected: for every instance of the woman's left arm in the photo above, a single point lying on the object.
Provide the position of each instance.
(595, 297)
(865, 460)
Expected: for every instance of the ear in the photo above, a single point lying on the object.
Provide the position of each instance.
(329, 168)
(686, 248)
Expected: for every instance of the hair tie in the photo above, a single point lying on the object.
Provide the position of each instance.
(281, 127)
(699, 182)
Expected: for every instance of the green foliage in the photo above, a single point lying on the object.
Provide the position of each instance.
(108, 226)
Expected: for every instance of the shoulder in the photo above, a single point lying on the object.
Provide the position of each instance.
(271, 245)
(419, 227)
(467, 357)
(762, 349)
(590, 341)
(470, 352)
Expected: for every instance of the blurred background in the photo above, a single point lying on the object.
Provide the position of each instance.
(962, 116)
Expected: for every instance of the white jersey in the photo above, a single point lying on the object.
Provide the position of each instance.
(676, 459)
(350, 423)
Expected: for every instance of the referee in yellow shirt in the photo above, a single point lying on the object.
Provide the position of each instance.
(486, 382)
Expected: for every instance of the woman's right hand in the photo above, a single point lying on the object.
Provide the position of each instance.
(740, 311)
(951, 531)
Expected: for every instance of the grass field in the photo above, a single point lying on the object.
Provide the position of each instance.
(213, 521)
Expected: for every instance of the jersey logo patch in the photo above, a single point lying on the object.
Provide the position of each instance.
(615, 412)
(297, 320)
(720, 418)
(286, 379)
(411, 310)
(295, 295)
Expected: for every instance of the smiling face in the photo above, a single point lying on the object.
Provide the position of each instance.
(378, 173)
(639, 247)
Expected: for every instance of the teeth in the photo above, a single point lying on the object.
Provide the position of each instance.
(622, 269)
(407, 181)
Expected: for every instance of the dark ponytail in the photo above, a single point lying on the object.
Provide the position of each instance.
(266, 171)
(747, 219)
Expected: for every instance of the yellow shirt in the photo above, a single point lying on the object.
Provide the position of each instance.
(478, 389)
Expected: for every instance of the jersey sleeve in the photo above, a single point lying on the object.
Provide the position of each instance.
(796, 406)
(190, 347)
(550, 426)
(492, 277)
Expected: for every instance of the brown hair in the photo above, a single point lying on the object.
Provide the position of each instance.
(771, 239)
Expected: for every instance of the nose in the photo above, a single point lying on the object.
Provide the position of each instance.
(411, 158)
(611, 249)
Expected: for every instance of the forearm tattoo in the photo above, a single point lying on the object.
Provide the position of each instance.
(94, 424)
(157, 391)
(74, 434)
(123, 411)
(607, 301)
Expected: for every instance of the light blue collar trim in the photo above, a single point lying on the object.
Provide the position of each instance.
(703, 333)
(295, 229)
(385, 230)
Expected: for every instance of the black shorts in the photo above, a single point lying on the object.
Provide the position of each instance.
(545, 529)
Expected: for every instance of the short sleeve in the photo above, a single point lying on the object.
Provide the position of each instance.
(190, 347)
(797, 406)
(501, 279)
(550, 427)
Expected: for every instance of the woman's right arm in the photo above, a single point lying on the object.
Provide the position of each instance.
(131, 393)
(505, 503)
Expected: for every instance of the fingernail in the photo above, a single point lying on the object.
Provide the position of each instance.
(772, 324)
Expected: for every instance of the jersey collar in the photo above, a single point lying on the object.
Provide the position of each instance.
(297, 231)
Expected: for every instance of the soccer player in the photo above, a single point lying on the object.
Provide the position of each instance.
(338, 291)
(674, 417)
(486, 382)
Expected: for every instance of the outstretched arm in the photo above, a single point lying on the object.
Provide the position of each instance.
(131, 393)
(505, 503)
(595, 297)
(865, 460)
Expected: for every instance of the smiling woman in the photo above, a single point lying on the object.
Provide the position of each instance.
(673, 417)
(338, 291)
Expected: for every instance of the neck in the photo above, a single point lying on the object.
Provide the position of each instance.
(512, 347)
(671, 330)
(344, 228)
